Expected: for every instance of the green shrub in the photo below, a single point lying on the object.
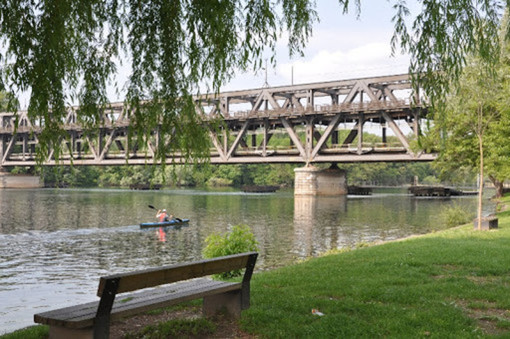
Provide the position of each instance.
(240, 239)
(455, 215)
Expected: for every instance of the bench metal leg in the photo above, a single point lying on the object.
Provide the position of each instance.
(57, 332)
(230, 302)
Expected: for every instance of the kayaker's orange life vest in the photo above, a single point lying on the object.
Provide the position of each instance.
(162, 216)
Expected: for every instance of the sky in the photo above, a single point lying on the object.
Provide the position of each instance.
(342, 47)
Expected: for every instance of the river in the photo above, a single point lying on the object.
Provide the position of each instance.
(55, 244)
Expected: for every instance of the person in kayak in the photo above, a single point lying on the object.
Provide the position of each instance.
(162, 215)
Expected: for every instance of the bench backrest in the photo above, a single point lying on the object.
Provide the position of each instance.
(132, 281)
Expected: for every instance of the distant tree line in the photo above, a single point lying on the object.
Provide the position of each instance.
(377, 174)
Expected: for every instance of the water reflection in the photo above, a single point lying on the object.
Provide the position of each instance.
(55, 244)
(311, 216)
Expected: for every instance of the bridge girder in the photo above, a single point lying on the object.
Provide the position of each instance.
(307, 115)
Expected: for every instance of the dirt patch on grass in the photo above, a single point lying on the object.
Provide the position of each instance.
(481, 280)
(129, 327)
(490, 319)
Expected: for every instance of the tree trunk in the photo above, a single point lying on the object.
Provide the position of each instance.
(480, 185)
(498, 185)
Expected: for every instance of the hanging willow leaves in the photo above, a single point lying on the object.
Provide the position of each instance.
(62, 51)
(65, 51)
(442, 35)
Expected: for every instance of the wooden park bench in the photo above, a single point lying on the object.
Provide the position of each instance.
(183, 282)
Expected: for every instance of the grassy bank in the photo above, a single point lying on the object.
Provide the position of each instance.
(446, 284)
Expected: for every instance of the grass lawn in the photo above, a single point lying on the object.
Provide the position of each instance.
(454, 283)
(449, 284)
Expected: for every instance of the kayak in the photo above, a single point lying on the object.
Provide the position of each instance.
(173, 222)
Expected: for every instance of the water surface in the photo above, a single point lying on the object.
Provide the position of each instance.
(55, 244)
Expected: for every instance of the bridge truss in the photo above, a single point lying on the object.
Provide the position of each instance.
(307, 123)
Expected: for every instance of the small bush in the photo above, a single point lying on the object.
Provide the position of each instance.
(455, 215)
(240, 239)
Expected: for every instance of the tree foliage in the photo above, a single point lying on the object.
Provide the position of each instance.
(474, 129)
(475, 125)
(239, 239)
(443, 35)
(7, 101)
(60, 51)
(64, 51)
(383, 174)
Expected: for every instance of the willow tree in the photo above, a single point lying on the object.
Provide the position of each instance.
(7, 101)
(64, 51)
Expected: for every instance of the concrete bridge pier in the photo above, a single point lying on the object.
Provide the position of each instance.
(310, 180)
(8, 180)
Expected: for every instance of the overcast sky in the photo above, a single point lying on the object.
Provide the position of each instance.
(342, 47)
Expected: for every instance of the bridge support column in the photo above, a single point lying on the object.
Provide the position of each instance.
(310, 180)
(8, 180)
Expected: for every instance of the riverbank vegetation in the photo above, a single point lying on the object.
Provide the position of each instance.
(239, 239)
(372, 174)
(455, 214)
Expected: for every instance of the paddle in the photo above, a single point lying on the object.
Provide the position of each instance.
(154, 208)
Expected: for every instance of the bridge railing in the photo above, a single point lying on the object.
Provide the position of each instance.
(349, 108)
(7, 119)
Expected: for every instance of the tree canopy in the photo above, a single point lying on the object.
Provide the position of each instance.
(475, 125)
(64, 51)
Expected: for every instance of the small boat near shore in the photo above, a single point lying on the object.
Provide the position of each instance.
(259, 189)
(358, 190)
(437, 191)
(170, 223)
(145, 187)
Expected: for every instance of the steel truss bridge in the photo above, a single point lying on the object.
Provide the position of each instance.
(307, 123)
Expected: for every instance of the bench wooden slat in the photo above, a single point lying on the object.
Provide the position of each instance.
(80, 316)
(68, 316)
(151, 303)
(172, 273)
